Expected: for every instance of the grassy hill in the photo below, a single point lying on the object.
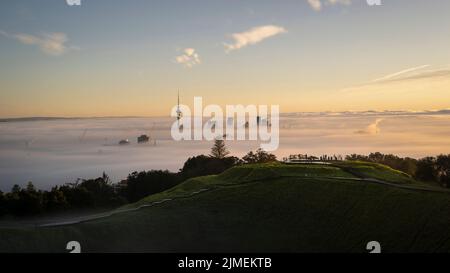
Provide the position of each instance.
(266, 208)
(376, 171)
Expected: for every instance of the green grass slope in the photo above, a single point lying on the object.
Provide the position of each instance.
(262, 208)
(376, 171)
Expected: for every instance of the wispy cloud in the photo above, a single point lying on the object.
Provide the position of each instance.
(253, 36)
(189, 58)
(317, 5)
(400, 73)
(404, 76)
(50, 43)
(442, 73)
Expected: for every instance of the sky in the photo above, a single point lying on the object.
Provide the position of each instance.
(130, 58)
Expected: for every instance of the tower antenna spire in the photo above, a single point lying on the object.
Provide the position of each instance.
(178, 109)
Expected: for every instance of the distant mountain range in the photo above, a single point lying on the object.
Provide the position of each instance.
(369, 113)
(54, 118)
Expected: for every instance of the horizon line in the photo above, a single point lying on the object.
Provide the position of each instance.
(445, 110)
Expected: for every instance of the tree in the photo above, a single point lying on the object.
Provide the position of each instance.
(427, 169)
(31, 188)
(91, 193)
(142, 184)
(16, 189)
(260, 156)
(376, 157)
(55, 200)
(24, 201)
(78, 197)
(250, 158)
(443, 166)
(31, 200)
(99, 192)
(3, 209)
(353, 157)
(445, 181)
(219, 150)
(206, 165)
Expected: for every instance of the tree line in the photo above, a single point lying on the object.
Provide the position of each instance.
(101, 192)
(428, 169)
